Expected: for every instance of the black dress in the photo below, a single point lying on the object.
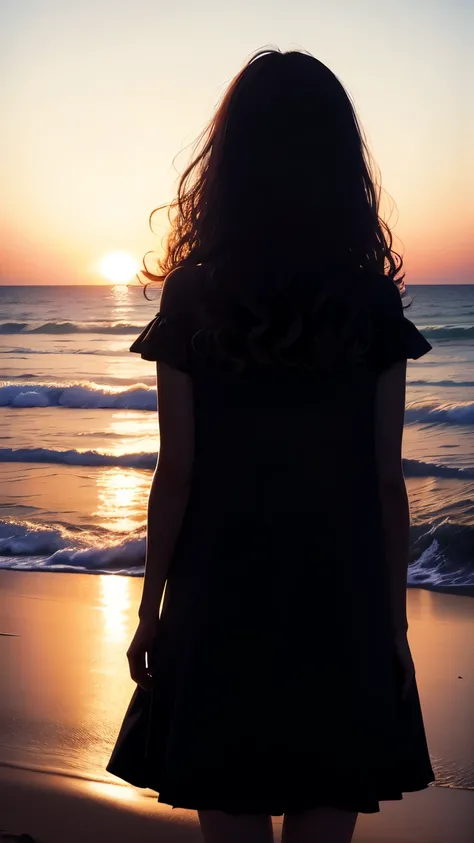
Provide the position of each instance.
(276, 685)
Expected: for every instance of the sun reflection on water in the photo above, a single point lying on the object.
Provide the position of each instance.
(121, 300)
(122, 496)
(135, 432)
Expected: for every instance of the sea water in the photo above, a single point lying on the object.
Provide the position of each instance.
(79, 434)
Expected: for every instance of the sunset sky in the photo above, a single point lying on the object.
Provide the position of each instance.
(98, 97)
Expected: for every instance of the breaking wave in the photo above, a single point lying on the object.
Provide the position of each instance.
(78, 396)
(29, 547)
(448, 332)
(72, 457)
(442, 553)
(436, 412)
(97, 351)
(142, 397)
(147, 460)
(12, 328)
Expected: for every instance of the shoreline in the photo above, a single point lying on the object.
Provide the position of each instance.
(454, 590)
(107, 779)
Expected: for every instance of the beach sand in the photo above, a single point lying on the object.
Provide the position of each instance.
(65, 689)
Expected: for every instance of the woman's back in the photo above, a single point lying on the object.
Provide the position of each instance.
(281, 549)
(275, 681)
(300, 436)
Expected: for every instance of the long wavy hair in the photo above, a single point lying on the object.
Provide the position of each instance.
(280, 203)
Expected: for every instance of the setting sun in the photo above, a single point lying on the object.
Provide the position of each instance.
(118, 267)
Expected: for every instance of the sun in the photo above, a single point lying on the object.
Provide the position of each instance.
(118, 267)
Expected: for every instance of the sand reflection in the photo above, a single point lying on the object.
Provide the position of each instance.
(68, 685)
(114, 605)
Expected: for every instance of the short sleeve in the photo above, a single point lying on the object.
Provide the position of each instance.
(166, 338)
(395, 337)
(163, 340)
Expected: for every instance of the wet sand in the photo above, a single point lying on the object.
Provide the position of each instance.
(65, 688)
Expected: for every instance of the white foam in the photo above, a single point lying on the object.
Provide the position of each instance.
(25, 539)
(78, 396)
(34, 547)
(142, 397)
(27, 546)
(420, 468)
(433, 568)
(73, 457)
(12, 328)
(436, 412)
(448, 332)
(147, 460)
(30, 399)
(127, 554)
(23, 350)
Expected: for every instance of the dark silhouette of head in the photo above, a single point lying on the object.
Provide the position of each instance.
(280, 196)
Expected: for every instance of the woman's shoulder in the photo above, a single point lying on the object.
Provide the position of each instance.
(384, 295)
(181, 292)
(167, 337)
(395, 337)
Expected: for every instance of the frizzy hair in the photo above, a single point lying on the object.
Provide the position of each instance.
(281, 201)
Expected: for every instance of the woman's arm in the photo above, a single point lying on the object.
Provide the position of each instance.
(166, 506)
(171, 482)
(390, 411)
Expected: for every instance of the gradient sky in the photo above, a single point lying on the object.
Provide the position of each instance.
(98, 96)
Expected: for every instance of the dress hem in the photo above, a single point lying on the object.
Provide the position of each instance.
(372, 807)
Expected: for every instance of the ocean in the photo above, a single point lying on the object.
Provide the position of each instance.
(79, 435)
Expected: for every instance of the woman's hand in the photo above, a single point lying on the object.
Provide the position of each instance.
(405, 661)
(139, 652)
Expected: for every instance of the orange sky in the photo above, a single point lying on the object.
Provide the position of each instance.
(98, 98)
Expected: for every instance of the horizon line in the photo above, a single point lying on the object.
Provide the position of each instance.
(469, 283)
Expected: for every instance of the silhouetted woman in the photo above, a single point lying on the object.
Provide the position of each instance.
(278, 678)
